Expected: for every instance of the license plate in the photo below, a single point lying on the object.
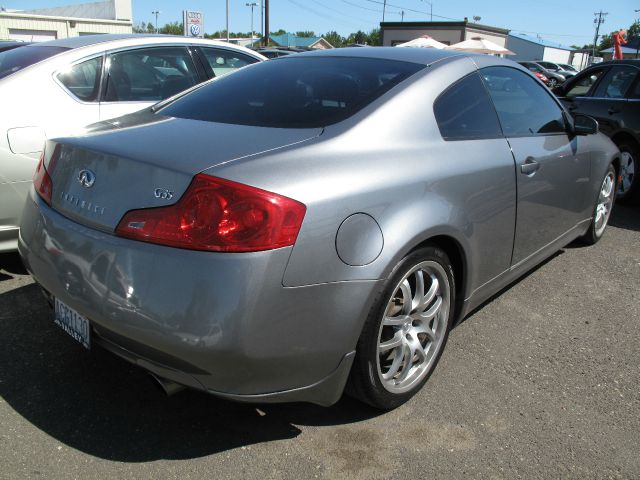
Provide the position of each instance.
(73, 323)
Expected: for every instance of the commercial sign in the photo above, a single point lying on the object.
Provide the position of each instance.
(193, 23)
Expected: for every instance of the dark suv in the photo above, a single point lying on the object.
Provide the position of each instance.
(610, 93)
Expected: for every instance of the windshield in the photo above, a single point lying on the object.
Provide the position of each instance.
(14, 60)
(293, 92)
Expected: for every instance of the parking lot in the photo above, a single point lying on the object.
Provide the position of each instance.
(541, 382)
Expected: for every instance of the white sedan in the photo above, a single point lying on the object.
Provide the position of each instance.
(55, 88)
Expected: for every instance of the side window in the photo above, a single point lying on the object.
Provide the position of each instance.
(635, 93)
(582, 86)
(149, 74)
(616, 82)
(464, 111)
(524, 106)
(225, 61)
(83, 79)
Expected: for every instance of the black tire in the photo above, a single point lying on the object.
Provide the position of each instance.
(364, 382)
(631, 194)
(595, 232)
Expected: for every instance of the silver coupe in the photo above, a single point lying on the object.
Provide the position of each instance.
(315, 222)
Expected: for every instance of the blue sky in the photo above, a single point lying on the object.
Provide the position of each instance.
(563, 21)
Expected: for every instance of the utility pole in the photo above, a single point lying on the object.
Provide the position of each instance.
(252, 4)
(266, 23)
(430, 9)
(262, 18)
(402, 15)
(599, 20)
(227, 20)
(156, 13)
(384, 8)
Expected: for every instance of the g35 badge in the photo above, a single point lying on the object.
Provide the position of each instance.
(163, 193)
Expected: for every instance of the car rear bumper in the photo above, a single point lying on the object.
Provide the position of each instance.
(219, 322)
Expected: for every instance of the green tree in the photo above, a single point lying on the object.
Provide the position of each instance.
(306, 34)
(279, 32)
(335, 39)
(373, 37)
(173, 28)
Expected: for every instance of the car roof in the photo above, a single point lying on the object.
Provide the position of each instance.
(424, 56)
(627, 61)
(130, 39)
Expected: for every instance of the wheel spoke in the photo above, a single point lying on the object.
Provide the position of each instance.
(405, 288)
(419, 293)
(432, 312)
(394, 342)
(407, 361)
(395, 365)
(396, 321)
(431, 293)
(426, 330)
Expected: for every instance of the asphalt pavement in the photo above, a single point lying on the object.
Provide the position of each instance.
(543, 381)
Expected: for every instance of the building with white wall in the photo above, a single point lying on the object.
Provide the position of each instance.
(448, 33)
(527, 47)
(111, 16)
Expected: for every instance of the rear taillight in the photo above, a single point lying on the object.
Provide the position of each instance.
(218, 215)
(42, 181)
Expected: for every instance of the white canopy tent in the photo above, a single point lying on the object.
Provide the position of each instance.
(480, 45)
(425, 41)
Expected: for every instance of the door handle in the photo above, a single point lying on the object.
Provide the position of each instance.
(529, 167)
(613, 110)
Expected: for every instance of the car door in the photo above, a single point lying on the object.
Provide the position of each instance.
(140, 77)
(552, 171)
(576, 95)
(608, 103)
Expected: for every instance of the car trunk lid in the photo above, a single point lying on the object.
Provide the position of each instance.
(99, 177)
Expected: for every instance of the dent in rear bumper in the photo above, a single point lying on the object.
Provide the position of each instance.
(226, 316)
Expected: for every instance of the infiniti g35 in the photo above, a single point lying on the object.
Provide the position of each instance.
(332, 216)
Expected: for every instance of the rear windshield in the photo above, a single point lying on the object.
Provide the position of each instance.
(13, 60)
(293, 92)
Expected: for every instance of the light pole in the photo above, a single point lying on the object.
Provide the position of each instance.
(156, 13)
(252, 5)
(227, 20)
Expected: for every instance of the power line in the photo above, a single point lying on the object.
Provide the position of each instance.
(411, 10)
(321, 14)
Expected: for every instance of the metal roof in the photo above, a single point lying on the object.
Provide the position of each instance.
(539, 41)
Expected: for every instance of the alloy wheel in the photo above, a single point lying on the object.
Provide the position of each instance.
(605, 203)
(627, 172)
(413, 328)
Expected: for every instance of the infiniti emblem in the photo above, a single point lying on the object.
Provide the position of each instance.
(86, 178)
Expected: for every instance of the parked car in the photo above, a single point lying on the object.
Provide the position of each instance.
(537, 71)
(610, 93)
(275, 52)
(270, 244)
(568, 68)
(54, 88)
(553, 77)
(10, 45)
(555, 68)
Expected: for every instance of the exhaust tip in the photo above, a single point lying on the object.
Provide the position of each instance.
(169, 387)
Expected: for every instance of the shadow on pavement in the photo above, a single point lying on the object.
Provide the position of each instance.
(625, 216)
(99, 404)
(10, 263)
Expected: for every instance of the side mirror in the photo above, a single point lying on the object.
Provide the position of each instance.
(584, 125)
